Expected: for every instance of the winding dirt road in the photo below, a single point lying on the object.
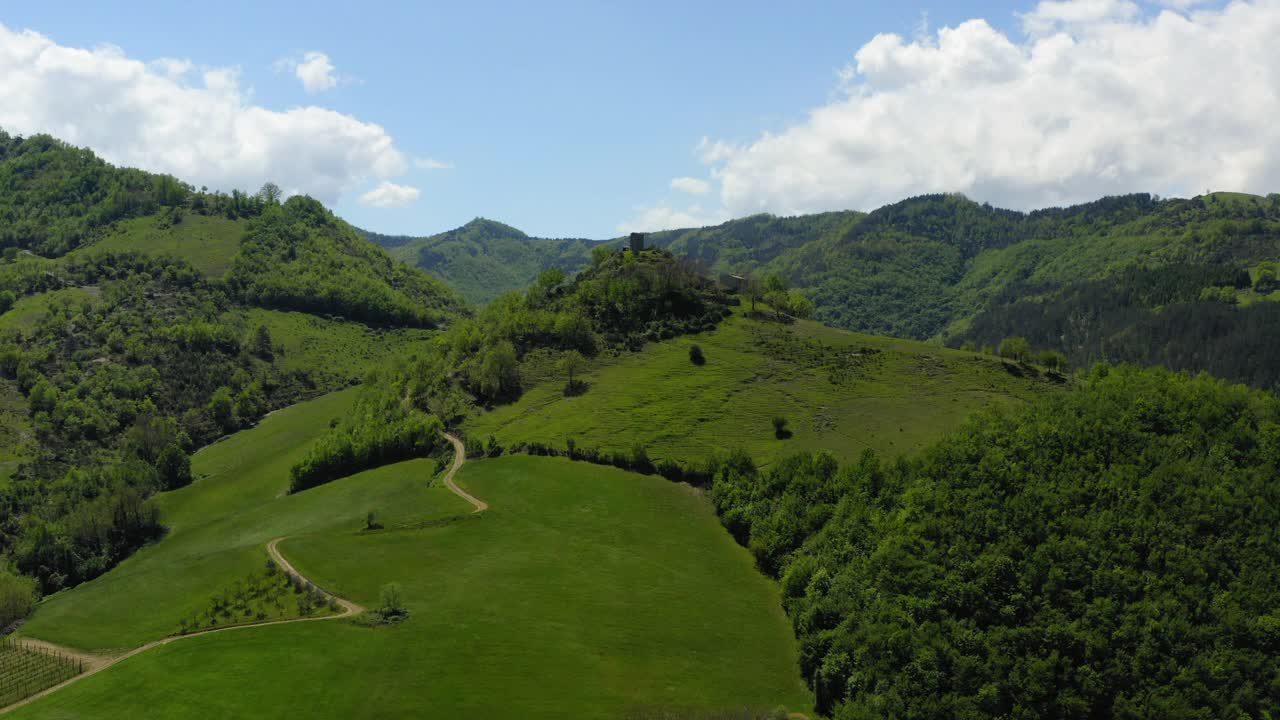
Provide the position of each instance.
(460, 457)
(96, 663)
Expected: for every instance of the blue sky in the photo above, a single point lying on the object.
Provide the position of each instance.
(572, 119)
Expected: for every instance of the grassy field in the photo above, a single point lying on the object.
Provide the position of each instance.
(840, 391)
(208, 242)
(27, 310)
(332, 350)
(584, 592)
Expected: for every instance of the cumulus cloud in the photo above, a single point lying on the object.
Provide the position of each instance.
(426, 163)
(313, 70)
(165, 116)
(1094, 97)
(389, 195)
(690, 185)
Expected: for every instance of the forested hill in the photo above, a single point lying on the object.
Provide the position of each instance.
(141, 319)
(484, 259)
(1186, 283)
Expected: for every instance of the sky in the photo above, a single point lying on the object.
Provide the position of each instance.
(592, 119)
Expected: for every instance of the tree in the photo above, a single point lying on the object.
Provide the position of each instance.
(1015, 348)
(174, 468)
(1053, 360)
(269, 194)
(250, 401)
(775, 283)
(571, 363)
(1265, 280)
(17, 597)
(7, 299)
(600, 254)
(223, 410)
(800, 306)
(498, 372)
(391, 601)
(753, 289)
(261, 345)
(779, 301)
(695, 355)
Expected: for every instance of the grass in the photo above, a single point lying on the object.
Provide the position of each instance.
(334, 350)
(584, 592)
(893, 397)
(218, 527)
(208, 242)
(29, 309)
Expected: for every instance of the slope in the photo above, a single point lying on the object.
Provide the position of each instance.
(484, 259)
(1090, 280)
(617, 591)
(839, 391)
(140, 319)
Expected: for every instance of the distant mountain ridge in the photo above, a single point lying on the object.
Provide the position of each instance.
(946, 268)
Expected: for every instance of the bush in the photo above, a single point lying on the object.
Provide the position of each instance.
(695, 355)
(17, 597)
(780, 429)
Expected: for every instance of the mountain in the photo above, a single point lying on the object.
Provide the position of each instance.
(484, 258)
(141, 320)
(1178, 282)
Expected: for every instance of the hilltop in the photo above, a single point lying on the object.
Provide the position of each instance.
(484, 258)
(1129, 278)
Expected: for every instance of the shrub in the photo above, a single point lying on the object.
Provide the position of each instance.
(17, 596)
(780, 429)
(695, 355)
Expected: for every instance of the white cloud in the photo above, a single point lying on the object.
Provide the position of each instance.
(690, 185)
(200, 127)
(1055, 14)
(316, 72)
(390, 195)
(1098, 97)
(313, 69)
(664, 217)
(426, 163)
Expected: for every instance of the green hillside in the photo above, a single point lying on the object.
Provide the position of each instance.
(484, 259)
(141, 319)
(582, 592)
(1094, 281)
(840, 391)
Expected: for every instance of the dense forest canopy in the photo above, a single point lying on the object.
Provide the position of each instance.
(1108, 552)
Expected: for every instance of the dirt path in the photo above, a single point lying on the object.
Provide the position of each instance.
(96, 663)
(460, 457)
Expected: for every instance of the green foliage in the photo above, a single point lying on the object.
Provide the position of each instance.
(1097, 553)
(17, 597)
(299, 256)
(380, 430)
(262, 596)
(1015, 348)
(173, 467)
(484, 259)
(696, 355)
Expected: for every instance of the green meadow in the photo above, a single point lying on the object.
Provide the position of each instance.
(584, 591)
(840, 391)
(208, 242)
